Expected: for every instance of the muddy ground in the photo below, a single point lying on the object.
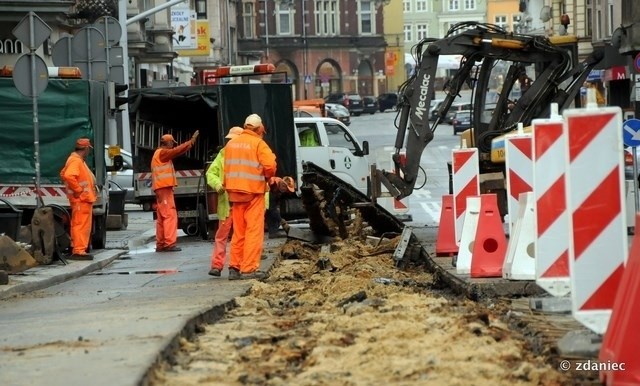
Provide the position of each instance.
(348, 316)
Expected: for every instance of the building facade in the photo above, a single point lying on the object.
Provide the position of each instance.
(320, 47)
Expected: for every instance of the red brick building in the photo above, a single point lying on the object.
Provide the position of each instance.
(323, 46)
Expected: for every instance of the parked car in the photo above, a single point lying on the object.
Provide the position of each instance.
(124, 177)
(461, 121)
(454, 109)
(628, 164)
(338, 112)
(434, 108)
(370, 105)
(352, 101)
(387, 101)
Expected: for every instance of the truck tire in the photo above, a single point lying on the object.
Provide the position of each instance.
(203, 228)
(99, 236)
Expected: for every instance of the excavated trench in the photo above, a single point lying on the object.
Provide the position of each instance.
(350, 313)
(344, 314)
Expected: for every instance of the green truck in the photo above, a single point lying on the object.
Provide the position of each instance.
(67, 109)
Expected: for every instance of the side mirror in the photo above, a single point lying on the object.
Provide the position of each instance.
(118, 163)
(365, 147)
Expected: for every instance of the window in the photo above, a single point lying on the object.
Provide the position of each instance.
(515, 23)
(327, 14)
(599, 24)
(367, 17)
(308, 134)
(610, 23)
(454, 5)
(501, 21)
(469, 4)
(421, 6)
(248, 20)
(285, 18)
(408, 36)
(406, 6)
(589, 17)
(422, 31)
(338, 137)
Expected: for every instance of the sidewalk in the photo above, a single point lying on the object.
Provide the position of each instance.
(140, 231)
(124, 312)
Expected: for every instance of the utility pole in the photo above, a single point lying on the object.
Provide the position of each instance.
(266, 27)
(305, 50)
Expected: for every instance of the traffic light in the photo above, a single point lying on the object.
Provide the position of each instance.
(115, 99)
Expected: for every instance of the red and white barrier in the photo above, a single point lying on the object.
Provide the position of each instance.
(466, 182)
(520, 262)
(490, 245)
(519, 166)
(446, 242)
(552, 219)
(469, 228)
(595, 202)
(622, 339)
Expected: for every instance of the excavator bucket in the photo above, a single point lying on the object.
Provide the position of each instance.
(13, 256)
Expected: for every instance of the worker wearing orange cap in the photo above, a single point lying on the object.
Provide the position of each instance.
(81, 191)
(163, 177)
(215, 179)
(249, 163)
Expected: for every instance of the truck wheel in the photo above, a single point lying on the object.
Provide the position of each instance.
(203, 229)
(146, 206)
(99, 236)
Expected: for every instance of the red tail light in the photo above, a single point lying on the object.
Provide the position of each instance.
(628, 158)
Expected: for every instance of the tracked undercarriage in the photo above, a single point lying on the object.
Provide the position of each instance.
(331, 202)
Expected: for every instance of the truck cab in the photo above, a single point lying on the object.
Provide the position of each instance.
(331, 145)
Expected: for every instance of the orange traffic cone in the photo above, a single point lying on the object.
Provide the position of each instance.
(490, 246)
(622, 338)
(446, 243)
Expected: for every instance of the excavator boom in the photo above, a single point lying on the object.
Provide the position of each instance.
(481, 47)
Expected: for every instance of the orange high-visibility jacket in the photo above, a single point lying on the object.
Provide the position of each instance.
(163, 175)
(248, 164)
(79, 180)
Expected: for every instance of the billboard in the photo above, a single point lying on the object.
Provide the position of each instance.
(183, 24)
(203, 44)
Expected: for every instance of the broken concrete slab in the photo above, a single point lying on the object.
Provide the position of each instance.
(560, 305)
(580, 344)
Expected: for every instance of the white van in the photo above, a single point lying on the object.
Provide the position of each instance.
(337, 150)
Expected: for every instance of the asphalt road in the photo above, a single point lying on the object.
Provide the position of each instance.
(380, 131)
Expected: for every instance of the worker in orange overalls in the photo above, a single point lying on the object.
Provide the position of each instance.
(249, 163)
(163, 177)
(81, 191)
(215, 179)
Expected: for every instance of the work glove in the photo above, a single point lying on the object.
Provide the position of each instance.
(220, 190)
(194, 137)
(282, 186)
(274, 180)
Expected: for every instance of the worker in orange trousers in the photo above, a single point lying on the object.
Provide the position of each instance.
(81, 191)
(215, 179)
(163, 176)
(249, 163)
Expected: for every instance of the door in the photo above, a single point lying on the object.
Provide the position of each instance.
(345, 157)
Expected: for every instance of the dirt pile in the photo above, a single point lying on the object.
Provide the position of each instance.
(344, 315)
